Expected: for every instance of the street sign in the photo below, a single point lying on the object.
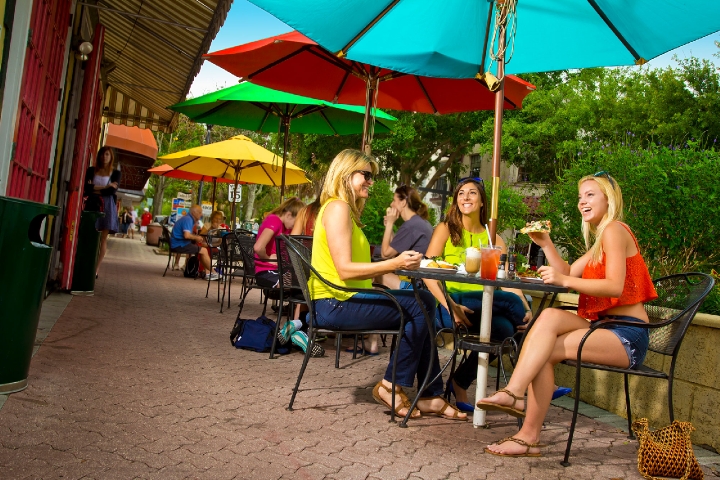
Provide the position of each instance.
(238, 195)
(177, 203)
(207, 208)
(185, 196)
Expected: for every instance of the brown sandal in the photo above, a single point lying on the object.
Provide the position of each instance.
(404, 401)
(519, 442)
(511, 410)
(441, 412)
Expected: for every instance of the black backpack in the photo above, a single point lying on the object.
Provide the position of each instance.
(192, 267)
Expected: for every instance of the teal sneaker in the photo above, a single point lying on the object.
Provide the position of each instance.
(285, 333)
(300, 339)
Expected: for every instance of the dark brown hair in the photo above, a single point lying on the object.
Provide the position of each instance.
(413, 200)
(454, 217)
(99, 156)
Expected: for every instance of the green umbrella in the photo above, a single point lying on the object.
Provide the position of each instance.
(257, 108)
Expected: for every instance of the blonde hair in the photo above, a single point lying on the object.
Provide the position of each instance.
(337, 181)
(593, 234)
(216, 214)
(292, 205)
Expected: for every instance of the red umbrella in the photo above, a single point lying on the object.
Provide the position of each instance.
(292, 62)
(166, 170)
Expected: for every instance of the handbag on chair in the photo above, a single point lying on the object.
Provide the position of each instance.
(666, 452)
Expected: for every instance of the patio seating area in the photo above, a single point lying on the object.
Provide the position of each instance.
(140, 381)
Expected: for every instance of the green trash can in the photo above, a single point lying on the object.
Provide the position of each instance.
(23, 273)
(86, 257)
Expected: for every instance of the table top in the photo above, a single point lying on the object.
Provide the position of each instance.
(460, 278)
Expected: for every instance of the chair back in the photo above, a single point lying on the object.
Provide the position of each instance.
(679, 298)
(299, 254)
(246, 249)
(285, 266)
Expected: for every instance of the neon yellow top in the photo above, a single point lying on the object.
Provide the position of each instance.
(323, 262)
(456, 255)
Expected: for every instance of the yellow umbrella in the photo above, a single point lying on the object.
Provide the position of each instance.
(236, 159)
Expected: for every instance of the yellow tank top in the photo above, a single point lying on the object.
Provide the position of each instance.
(323, 262)
(454, 255)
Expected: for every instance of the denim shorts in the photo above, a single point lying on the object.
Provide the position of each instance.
(634, 339)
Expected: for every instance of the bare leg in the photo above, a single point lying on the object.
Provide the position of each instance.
(390, 280)
(103, 248)
(554, 338)
(205, 260)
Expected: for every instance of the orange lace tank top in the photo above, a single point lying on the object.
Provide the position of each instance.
(638, 285)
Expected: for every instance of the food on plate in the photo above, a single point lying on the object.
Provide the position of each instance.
(528, 274)
(439, 264)
(539, 226)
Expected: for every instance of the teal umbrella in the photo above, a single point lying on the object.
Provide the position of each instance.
(465, 39)
(262, 109)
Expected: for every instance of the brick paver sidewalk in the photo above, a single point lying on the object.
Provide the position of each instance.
(140, 381)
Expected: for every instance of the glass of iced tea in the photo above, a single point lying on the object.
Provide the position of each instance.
(489, 263)
(472, 260)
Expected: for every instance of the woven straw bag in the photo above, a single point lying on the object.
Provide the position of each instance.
(666, 452)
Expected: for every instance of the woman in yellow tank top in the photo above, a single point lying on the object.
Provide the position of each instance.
(341, 254)
(463, 227)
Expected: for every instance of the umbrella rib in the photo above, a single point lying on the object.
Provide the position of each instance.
(280, 60)
(638, 59)
(268, 175)
(202, 116)
(307, 110)
(482, 82)
(342, 85)
(344, 51)
(322, 114)
(264, 119)
(485, 43)
(186, 163)
(328, 57)
(422, 87)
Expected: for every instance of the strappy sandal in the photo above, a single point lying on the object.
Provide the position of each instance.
(528, 446)
(510, 410)
(441, 413)
(404, 400)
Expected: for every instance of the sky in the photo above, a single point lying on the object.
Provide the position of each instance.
(246, 22)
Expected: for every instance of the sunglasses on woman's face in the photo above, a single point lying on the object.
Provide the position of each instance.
(368, 175)
(477, 180)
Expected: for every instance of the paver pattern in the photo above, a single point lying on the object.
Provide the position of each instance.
(140, 381)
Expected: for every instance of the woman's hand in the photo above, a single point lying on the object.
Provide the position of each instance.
(391, 216)
(113, 184)
(408, 260)
(551, 276)
(460, 312)
(540, 238)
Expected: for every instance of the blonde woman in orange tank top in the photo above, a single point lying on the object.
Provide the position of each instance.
(604, 276)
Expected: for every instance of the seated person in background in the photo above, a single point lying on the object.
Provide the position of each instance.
(305, 223)
(183, 240)
(613, 282)
(463, 227)
(341, 254)
(279, 221)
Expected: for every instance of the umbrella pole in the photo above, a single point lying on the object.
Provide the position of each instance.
(232, 216)
(372, 86)
(286, 142)
(497, 140)
(213, 193)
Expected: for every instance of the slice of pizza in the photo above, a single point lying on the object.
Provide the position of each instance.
(540, 226)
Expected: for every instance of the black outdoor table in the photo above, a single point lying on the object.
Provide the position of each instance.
(485, 319)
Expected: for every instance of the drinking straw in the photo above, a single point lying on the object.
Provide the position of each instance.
(489, 239)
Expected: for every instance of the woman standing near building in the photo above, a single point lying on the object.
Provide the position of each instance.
(101, 183)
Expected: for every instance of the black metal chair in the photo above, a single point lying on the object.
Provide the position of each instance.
(300, 256)
(679, 298)
(290, 282)
(236, 263)
(165, 238)
(217, 255)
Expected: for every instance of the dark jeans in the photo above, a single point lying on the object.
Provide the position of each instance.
(416, 349)
(508, 313)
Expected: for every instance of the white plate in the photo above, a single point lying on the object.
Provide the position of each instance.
(531, 280)
(437, 270)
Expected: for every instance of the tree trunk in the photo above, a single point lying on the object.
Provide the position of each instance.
(250, 205)
(158, 196)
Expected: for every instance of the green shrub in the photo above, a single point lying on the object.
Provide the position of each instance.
(381, 195)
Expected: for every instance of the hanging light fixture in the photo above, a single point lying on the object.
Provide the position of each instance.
(83, 50)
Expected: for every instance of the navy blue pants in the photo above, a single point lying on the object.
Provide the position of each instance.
(416, 349)
(508, 313)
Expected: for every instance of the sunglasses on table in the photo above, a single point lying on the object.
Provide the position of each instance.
(368, 175)
(603, 173)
